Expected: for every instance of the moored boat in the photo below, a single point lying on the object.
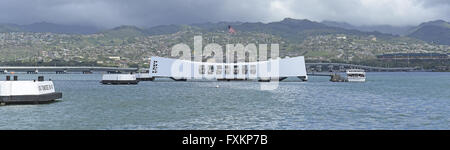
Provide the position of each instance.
(27, 92)
(119, 79)
(356, 75)
(144, 77)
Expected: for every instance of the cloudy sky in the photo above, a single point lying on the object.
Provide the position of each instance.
(144, 13)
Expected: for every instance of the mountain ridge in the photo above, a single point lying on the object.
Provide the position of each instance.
(295, 30)
(387, 29)
(437, 31)
(49, 27)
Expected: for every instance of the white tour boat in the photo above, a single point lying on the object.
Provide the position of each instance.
(119, 79)
(27, 92)
(356, 75)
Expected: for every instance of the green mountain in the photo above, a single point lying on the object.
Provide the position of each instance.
(164, 29)
(437, 32)
(10, 28)
(388, 29)
(293, 30)
(214, 27)
(58, 28)
(124, 32)
(49, 27)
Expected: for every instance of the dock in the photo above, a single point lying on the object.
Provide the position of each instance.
(64, 69)
(341, 67)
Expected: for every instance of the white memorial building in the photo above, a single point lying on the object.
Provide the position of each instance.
(265, 71)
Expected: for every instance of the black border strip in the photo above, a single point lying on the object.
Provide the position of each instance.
(275, 138)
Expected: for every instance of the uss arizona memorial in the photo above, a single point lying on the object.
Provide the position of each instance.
(273, 69)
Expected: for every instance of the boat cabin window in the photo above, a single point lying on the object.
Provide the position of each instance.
(355, 75)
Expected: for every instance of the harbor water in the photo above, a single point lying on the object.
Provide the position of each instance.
(397, 100)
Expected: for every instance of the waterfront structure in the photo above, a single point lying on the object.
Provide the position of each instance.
(23, 92)
(341, 67)
(63, 69)
(405, 56)
(270, 70)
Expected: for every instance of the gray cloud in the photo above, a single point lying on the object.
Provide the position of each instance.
(110, 13)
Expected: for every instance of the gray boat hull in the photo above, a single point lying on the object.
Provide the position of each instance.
(30, 99)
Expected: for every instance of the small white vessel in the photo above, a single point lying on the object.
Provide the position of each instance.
(27, 92)
(144, 77)
(119, 79)
(356, 75)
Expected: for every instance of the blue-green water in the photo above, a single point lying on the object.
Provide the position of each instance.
(415, 100)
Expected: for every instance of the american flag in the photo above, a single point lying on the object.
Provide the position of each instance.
(231, 30)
